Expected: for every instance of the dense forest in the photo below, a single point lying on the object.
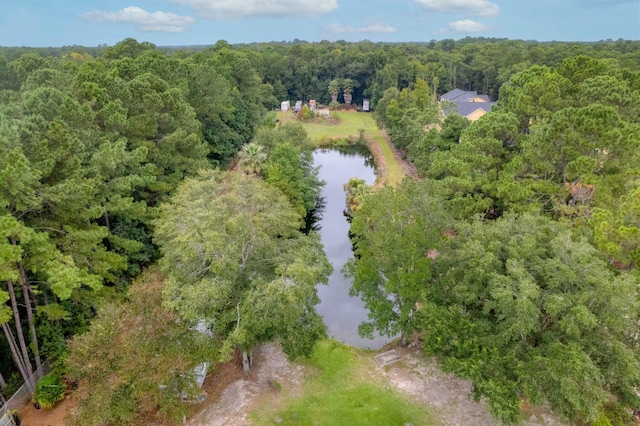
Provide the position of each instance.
(514, 256)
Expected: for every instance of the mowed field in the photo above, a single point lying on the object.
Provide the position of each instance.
(389, 168)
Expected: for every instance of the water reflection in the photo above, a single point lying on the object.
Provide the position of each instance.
(341, 312)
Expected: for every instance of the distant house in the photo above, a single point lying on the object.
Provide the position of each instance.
(298, 106)
(284, 106)
(467, 103)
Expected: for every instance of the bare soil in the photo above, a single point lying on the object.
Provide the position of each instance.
(446, 396)
(271, 376)
(56, 416)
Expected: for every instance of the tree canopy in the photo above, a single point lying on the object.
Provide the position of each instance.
(524, 308)
(236, 259)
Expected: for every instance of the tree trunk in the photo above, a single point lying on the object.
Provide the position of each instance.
(246, 364)
(347, 98)
(404, 341)
(32, 327)
(16, 317)
(14, 351)
(3, 384)
(26, 289)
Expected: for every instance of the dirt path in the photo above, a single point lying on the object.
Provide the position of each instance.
(444, 395)
(272, 374)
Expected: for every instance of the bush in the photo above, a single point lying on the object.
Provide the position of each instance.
(305, 113)
(334, 105)
(49, 390)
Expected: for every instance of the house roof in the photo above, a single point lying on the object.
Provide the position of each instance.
(459, 95)
(467, 108)
(452, 95)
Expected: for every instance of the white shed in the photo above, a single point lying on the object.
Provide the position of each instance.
(284, 106)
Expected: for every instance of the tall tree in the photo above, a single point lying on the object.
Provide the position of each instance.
(523, 308)
(236, 259)
(397, 234)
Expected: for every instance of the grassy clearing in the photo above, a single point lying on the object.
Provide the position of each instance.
(343, 390)
(351, 123)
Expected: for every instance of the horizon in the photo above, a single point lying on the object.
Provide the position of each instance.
(203, 22)
(296, 41)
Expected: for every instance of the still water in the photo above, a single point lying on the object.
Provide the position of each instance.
(341, 312)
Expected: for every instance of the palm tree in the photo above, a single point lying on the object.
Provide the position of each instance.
(347, 89)
(253, 158)
(334, 89)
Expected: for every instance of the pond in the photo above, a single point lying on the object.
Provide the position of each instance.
(341, 312)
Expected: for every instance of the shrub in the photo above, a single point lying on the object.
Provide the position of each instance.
(49, 390)
(305, 113)
(334, 105)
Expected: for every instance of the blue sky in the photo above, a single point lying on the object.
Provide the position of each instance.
(44, 23)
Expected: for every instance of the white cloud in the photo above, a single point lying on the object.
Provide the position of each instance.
(470, 7)
(378, 27)
(468, 26)
(143, 20)
(229, 9)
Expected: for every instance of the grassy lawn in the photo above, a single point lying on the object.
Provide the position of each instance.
(342, 390)
(350, 124)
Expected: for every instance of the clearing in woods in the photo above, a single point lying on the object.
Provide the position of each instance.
(391, 169)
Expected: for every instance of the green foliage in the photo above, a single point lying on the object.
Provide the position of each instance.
(290, 169)
(253, 158)
(404, 114)
(617, 233)
(235, 258)
(356, 190)
(421, 149)
(136, 359)
(534, 94)
(334, 88)
(49, 391)
(523, 308)
(468, 172)
(397, 234)
(614, 414)
(305, 113)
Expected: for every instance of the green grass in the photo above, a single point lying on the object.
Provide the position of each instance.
(343, 391)
(394, 172)
(350, 124)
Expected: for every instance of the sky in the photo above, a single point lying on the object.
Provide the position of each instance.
(43, 23)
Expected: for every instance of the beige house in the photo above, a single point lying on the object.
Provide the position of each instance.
(466, 103)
